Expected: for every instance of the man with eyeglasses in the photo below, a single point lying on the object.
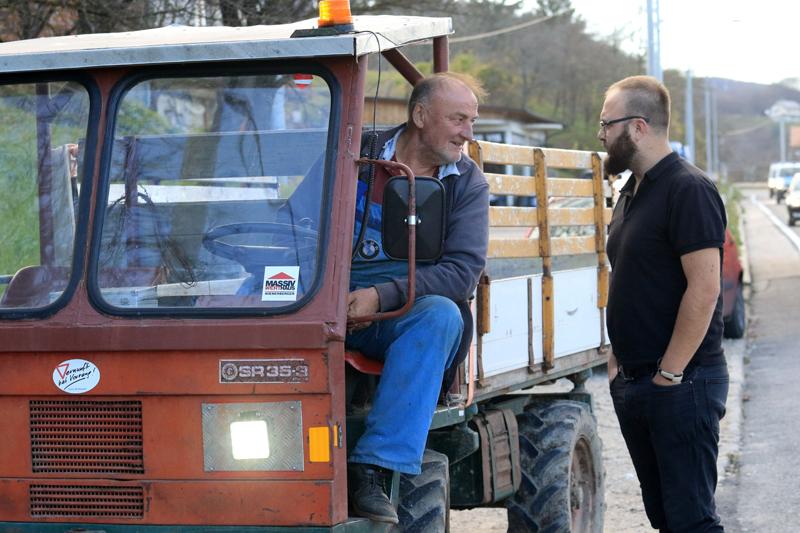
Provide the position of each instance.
(668, 376)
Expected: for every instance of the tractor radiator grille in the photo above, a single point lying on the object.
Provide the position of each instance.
(70, 501)
(86, 437)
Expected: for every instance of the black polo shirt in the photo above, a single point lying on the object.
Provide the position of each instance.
(676, 210)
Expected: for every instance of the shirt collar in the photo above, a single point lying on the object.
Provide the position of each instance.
(660, 168)
(389, 149)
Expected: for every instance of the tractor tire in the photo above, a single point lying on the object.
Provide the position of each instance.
(425, 499)
(734, 326)
(562, 471)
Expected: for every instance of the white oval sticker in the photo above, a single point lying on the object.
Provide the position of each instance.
(76, 376)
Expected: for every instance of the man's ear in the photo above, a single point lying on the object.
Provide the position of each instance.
(640, 129)
(418, 115)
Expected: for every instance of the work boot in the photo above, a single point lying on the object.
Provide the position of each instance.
(367, 493)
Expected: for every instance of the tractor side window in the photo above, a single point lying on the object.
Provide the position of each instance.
(215, 194)
(43, 126)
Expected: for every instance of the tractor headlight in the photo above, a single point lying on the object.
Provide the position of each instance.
(264, 436)
(249, 439)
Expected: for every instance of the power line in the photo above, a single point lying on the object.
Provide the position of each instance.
(506, 30)
(745, 130)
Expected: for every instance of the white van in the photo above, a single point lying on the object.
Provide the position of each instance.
(779, 178)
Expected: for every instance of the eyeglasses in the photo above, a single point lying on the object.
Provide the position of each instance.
(606, 123)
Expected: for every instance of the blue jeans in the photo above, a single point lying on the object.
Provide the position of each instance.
(416, 348)
(672, 434)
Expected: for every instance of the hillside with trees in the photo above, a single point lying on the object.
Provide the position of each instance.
(540, 58)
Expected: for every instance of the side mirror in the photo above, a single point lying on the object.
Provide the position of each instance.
(430, 210)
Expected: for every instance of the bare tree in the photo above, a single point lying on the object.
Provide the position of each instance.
(26, 20)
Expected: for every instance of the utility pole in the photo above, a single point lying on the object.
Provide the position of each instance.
(715, 133)
(654, 40)
(709, 137)
(689, 119)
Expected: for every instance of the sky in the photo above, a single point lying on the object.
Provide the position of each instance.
(746, 40)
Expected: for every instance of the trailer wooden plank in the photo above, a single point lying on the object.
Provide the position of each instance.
(499, 248)
(513, 216)
(511, 184)
(569, 187)
(571, 159)
(572, 245)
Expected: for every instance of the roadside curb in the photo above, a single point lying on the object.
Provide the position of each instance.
(735, 350)
(731, 424)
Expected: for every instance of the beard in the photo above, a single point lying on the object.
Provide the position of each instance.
(620, 155)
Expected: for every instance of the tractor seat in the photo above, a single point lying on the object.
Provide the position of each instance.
(31, 286)
(363, 364)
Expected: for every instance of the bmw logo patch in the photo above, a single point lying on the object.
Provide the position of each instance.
(369, 249)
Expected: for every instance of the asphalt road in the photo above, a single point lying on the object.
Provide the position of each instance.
(764, 494)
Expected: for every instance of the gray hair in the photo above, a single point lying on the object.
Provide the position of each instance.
(427, 86)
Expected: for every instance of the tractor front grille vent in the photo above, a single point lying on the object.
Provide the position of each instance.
(86, 437)
(86, 501)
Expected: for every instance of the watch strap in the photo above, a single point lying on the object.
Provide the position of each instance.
(666, 374)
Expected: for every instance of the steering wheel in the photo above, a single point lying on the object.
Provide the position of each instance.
(256, 256)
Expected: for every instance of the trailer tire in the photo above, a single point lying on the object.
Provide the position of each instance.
(562, 471)
(425, 498)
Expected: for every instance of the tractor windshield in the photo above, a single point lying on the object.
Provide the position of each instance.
(215, 194)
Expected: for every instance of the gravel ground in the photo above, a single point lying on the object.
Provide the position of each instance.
(624, 510)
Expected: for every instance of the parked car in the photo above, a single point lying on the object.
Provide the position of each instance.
(733, 308)
(793, 199)
(780, 175)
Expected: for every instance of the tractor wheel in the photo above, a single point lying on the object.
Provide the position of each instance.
(562, 471)
(425, 499)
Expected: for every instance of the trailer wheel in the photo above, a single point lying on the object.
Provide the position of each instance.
(425, 499)
(562, 471)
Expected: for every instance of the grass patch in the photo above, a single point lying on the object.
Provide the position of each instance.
(732, 197)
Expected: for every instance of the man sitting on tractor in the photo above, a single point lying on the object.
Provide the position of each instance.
(418, 347)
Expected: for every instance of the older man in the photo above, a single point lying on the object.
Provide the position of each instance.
(417, 347)
(669, 379)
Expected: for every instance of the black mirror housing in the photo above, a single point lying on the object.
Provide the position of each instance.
(431, 218)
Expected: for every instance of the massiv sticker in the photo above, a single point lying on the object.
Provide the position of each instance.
(280, 284)
(76, 376)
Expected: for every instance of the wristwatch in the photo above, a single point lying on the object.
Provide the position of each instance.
(666, 374)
